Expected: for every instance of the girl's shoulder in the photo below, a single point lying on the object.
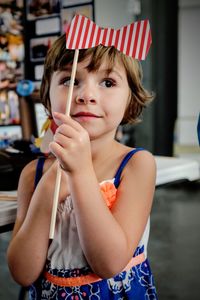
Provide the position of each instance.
(26, 184)
(141, 164)
(142, 155)
(28, 174)
(133, 161)
(137, 155)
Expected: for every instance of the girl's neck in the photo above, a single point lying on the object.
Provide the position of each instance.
(101, 147)
(106, 158)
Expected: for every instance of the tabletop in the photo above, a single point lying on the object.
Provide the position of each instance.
(8, 209)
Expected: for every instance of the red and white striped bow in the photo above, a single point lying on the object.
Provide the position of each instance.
(133, 40)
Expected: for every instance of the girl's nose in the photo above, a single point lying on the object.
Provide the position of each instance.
(86, 95)
(85, 100)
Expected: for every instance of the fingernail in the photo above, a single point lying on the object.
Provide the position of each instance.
(55, 114)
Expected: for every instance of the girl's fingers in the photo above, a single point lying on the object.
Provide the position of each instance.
(66, 130)
(67, 119)
(55, 149)
(65, 142)
(70, 131)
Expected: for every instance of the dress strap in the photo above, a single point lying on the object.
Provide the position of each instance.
(39, 169)
(123, 164)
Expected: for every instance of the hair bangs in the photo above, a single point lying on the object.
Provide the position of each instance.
(98, 56)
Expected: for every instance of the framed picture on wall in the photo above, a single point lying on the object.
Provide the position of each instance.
(40, 46)
(38, 72)
(67, 14)
(47, 26)
(66, 3)
(8, 134)
(37, 9)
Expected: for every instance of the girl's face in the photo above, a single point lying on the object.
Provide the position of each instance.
(99, 98)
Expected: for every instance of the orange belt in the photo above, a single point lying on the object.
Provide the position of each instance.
(90, 278)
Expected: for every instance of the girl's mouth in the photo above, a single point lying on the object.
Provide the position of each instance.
(86, 115)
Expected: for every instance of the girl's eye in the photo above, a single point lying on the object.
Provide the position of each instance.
(108, 83)
(66, 81)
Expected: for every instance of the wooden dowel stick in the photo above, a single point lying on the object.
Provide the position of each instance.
(58, 175)
(71, 85)
(55, 201)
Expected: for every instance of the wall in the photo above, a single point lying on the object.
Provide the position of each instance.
(112, 13)
(188, 78)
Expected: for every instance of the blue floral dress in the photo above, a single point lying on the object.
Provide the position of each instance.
(66, 261)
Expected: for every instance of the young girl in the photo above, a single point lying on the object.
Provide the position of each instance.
(100, 246)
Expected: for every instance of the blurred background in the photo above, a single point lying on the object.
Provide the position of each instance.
(168, 129)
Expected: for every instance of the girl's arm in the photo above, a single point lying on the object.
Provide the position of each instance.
(108, 238)
(27, 250)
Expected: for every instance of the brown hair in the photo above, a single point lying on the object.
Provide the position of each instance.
(58, 57)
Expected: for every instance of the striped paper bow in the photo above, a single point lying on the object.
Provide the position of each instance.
(133, 40)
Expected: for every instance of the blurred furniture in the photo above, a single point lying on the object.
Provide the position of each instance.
(8, 208)
(172, 169)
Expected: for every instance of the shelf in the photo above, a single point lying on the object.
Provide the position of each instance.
(10, 125)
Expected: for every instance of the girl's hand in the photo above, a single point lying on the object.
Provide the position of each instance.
(71, 144)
